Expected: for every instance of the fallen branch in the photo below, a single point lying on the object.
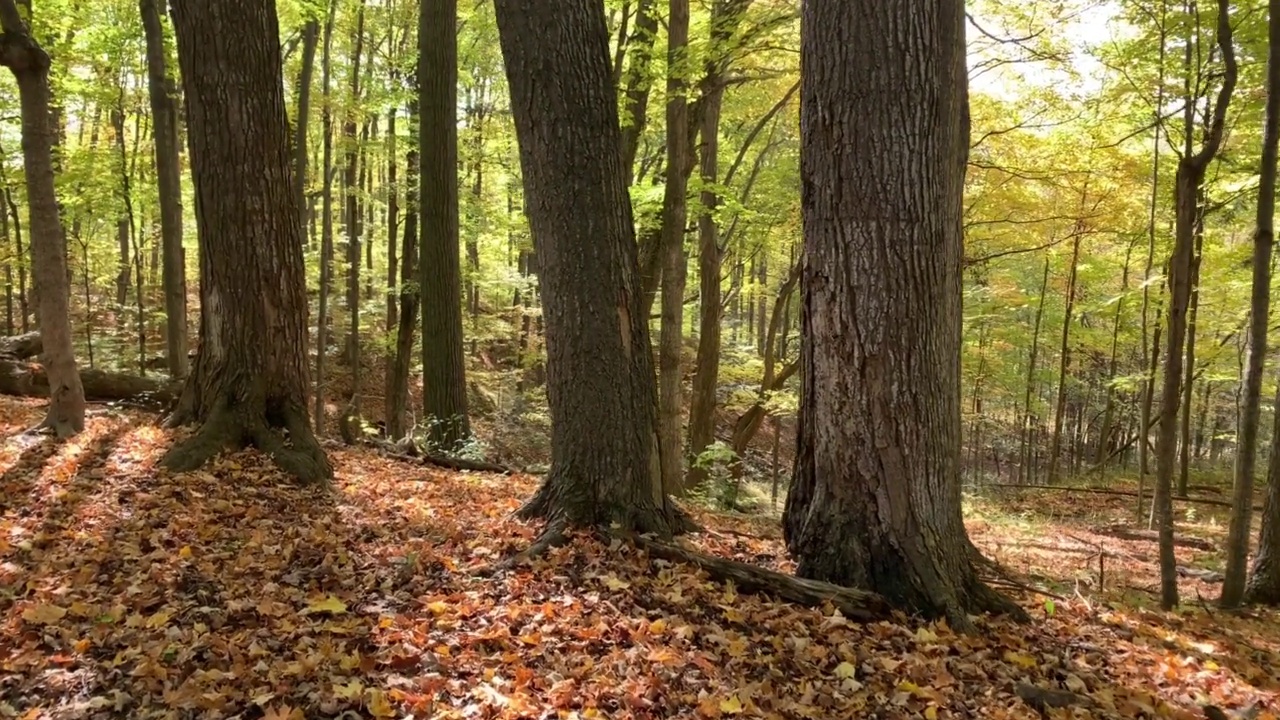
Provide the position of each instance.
(27, 379)
(854, 604)
(1104, 491)
(1044, 699)
(1127, 533)
(407, 450)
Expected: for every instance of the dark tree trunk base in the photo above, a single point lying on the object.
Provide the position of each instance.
(228, 428)
(672, 521)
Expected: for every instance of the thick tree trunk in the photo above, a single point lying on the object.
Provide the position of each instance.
(249, 380)
(444, 382)
(1265, 584)
(30, 66)
(600, 379)
(875, 502)
(161, 88)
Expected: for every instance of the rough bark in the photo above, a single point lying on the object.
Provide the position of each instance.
(30, 66)
(1190, 176)
(600, 379)
(875, 501)
(444, 383)
(1265, 583)
(249, 382)
(160, 87)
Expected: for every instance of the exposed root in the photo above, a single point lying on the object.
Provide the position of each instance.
(538, 506)
(219, 432)
(854, 604)
(302, 457)
(681, 521)
(983, 598)
(552, 536)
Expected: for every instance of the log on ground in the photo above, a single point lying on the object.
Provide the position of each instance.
(21, 347)
(1122, 532)
(28, 379)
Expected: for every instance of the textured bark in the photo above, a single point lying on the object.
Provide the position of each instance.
(674, 265)
(1264, 586)
(875, 502)
(30, 67)
(1190, 176)
(161, 89)
(600, 379)
(249, 379)
(444, 382)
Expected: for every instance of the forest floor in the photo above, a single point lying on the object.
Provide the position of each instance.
(230, 592)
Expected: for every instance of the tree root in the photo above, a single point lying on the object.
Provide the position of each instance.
(854, 604)
(552, 536)
(225, 429)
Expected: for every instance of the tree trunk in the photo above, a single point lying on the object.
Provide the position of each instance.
(123, 268)
(393, 238)
(161, 88)
(351, 214)
(1190, 176)
(875, 502)
(444, 382)
(671, 339)
(635, 96)
(1025, 472)
(1148, 385)
(1189, 369)
(600, 379)
(398, 394)
(310, 38)
(1064, 350)
(249, 380)
(326, 215)
(1100, 456)
(11, 259)
(1265, 584)
(30, 66)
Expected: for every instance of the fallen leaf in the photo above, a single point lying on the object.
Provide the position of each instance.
(43, 614)
(328, 604)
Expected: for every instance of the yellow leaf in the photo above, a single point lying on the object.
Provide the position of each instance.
(732, 706)
(925, 635)
(657, 626)
(1021, 660)
(185, 552)
(438, 607)
(616, 583)
(329, 604)
(377, 703)
(350, 691)
(160, 619)
(846, 670)
(931, 713)
(43, 614)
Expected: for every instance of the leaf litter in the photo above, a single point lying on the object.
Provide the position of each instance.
(231, 592)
